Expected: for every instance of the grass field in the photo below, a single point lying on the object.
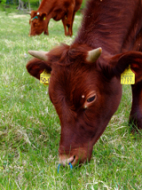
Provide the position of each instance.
(30, 128)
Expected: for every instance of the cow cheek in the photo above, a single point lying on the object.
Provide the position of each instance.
(99, 116)
(110, 106)
(36, 29)
(41, 27)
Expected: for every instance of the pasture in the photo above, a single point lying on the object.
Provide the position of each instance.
(30, 128)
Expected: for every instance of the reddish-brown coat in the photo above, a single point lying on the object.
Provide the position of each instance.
(58, 10)
(116, 27)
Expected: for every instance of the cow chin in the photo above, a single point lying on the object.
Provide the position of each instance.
(36, 31)
(76, 156)
(33, 33)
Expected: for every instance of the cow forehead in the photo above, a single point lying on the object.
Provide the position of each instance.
(72, 82)
(71, 74)
(67, 55)
(75, 73)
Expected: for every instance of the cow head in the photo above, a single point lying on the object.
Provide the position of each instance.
(37, 22)
(85, 92)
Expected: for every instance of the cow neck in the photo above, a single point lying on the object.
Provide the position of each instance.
(109, 31)
(46, 6)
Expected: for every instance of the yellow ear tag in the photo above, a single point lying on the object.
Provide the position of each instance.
(44, 18)
(128, 77)
(44, 78)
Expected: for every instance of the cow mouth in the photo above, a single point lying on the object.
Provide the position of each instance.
(66, 161)
(77, 156)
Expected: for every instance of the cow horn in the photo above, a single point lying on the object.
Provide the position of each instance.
(94, 54)
(39, 54)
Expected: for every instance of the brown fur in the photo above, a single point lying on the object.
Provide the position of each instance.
(58, 10)
(116, 26)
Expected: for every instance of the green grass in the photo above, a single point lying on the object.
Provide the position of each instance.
(30, 129)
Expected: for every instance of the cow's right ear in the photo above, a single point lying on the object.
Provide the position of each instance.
(42, 15)
(33, 13)
(36, 66)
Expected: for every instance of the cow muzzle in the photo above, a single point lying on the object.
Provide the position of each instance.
(63, 160)
(77, 156)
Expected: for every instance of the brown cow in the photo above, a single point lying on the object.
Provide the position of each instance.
(85, 82)
(58, 10)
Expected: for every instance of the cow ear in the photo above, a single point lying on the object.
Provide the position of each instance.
(43, 16)
(33, 13)
(36, 66)
(122, 61)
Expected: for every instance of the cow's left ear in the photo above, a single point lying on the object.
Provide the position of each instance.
(122, 61)
(36, 66)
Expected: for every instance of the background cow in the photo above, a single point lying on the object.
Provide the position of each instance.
(85, 76)
(58, 10)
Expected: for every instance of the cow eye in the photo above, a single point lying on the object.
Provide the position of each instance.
(91, 99)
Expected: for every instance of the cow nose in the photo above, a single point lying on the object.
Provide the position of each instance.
(65, 161)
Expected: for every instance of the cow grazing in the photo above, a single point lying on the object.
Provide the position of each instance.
(58, 10)
(85, 84)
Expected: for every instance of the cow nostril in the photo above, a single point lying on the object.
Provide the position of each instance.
(73, 159)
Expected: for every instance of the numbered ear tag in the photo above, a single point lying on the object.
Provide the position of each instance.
(44, 18)
(128, 77)
(44, 78)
